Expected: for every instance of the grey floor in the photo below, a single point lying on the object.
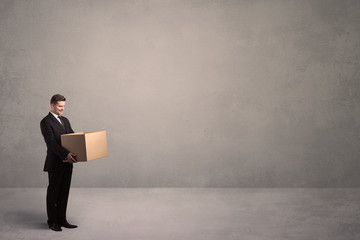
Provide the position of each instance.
(177, 213)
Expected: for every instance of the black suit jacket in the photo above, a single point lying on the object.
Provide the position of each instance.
(52, 130)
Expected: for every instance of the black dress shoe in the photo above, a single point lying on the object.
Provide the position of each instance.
(55, 227)
(68, 225)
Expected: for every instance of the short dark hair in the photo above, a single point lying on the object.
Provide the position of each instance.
(56, 98)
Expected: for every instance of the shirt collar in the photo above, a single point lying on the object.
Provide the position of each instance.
(55, 115)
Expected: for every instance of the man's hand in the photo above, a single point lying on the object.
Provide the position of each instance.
(71, 158)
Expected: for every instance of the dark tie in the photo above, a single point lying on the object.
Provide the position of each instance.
(62, 121)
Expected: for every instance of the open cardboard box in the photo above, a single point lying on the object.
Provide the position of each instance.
(86, 145)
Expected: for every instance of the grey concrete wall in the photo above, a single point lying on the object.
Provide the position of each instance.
(191, 93)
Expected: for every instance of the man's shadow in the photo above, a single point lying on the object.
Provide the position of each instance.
(26, 219)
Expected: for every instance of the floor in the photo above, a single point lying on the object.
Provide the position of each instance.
(187, 213)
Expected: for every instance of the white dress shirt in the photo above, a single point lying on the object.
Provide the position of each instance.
(56, 116)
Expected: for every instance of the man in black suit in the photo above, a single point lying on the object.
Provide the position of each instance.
(58, 164)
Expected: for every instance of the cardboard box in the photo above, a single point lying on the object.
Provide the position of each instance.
(86, 145)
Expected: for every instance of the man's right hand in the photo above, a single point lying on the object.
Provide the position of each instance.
(71, 158)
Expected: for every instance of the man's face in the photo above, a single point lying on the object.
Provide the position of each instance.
(58, 108)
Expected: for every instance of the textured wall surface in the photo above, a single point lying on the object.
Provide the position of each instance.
(191, 93)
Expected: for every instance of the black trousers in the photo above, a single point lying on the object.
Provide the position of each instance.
(58, 194)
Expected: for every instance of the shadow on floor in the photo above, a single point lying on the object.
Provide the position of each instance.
(27, 220)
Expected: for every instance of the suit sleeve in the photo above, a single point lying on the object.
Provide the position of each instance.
(50, 140)
(71, 130)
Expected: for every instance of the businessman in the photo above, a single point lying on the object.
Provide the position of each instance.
(58, 164)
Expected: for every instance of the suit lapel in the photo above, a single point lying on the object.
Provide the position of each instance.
(64, 121)
(57, 122)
